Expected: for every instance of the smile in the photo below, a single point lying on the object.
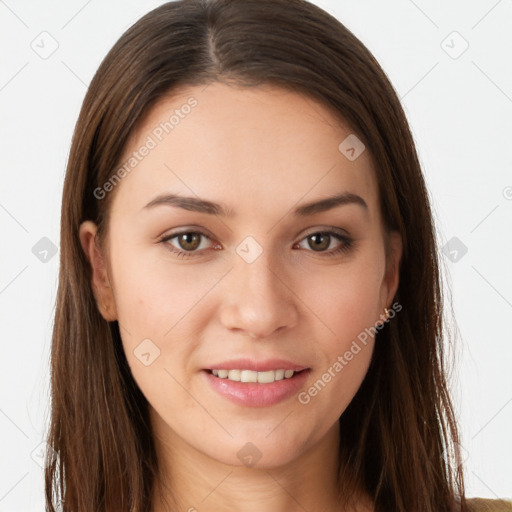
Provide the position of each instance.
(251, 388)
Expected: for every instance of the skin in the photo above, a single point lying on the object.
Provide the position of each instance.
(261, 152)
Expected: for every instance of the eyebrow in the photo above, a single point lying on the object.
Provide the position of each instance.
(196, 204)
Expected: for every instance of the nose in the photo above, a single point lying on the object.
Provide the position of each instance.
(258, 299)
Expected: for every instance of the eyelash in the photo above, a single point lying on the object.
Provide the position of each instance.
(345, 247)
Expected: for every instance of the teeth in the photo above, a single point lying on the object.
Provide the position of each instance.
(248, 376)
(234, 375)
(252, 376)
(279, 375)
(266, 377)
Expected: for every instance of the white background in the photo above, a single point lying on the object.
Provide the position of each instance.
(460, 111)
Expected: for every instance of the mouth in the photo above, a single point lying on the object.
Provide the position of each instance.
(260, 387)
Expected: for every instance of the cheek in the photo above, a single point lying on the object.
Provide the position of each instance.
(346, 302)
(155, 297)
(334, 383)
(156, 305)
(347, 308)
(158, 326)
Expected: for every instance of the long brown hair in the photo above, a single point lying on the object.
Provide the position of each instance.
(399, 434)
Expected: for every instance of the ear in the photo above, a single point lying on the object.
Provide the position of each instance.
(99, 280)
(392, 274)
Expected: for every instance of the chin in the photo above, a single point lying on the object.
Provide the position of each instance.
(259, 450)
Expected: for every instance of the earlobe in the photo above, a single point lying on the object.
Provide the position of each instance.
(100, 281)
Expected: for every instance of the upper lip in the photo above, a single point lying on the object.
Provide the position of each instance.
(257, 366)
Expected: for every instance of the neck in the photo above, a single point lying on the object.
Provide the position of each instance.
(195, 482)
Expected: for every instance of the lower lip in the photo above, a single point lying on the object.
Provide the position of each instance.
(254, 394)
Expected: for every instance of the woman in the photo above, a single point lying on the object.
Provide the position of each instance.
(249, 313)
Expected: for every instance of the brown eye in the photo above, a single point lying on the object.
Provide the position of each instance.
(189, 241)
(319, 241)
(186, 243)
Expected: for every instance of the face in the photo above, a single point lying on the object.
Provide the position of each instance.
(256, 281)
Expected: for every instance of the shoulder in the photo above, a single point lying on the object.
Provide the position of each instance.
(487, 505)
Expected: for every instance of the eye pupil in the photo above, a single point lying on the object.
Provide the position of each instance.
(319, 245)
(189, 241)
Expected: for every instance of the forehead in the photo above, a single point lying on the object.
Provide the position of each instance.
(242, 147)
